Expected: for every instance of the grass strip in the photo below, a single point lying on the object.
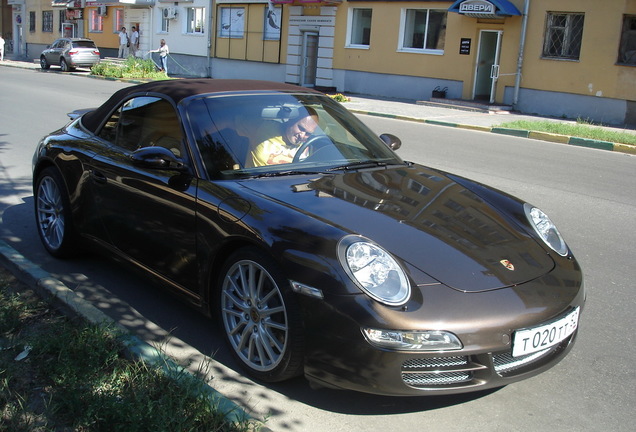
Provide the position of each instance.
(58, 373)
(579, 130)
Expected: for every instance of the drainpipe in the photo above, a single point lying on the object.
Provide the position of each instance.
(211, 31)
(522, 44)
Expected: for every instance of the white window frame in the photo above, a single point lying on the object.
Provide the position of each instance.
(351, 31)
(96, 22)
(403, 31)
(192, 14)
(164, 23)
(118, 19)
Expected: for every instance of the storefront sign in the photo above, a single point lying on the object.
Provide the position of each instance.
(477, 7)
(483, 9)
(72, 14)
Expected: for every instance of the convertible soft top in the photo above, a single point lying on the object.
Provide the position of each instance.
(177, 90)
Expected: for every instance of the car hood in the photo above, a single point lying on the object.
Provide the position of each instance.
(424, 218)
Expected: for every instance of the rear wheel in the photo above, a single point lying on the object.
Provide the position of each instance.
(64, 65)
(53, 214)
(260, 315)
(43, 63)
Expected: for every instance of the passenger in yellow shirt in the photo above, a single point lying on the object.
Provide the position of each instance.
(283, 145)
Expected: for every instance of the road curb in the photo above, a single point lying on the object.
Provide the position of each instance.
(519, 133)
(66, 300)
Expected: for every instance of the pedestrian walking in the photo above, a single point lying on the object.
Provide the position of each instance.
(163, 55)
(134, 41)
(123, 43)
(1, 49)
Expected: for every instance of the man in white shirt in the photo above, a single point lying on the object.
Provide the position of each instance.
(134, 41)
(123, 43)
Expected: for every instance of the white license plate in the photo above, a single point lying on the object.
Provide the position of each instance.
(528, 341)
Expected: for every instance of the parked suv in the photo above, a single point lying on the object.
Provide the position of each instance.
(70, 53)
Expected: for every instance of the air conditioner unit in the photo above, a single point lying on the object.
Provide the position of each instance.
(102, 11)
(170, 13)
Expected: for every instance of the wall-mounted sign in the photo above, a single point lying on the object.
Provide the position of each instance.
(477, 7)
(464, 46)
(484, 9)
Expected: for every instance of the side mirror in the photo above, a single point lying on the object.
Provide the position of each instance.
(391, 140)
(157, 158)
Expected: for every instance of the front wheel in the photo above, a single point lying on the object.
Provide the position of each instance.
(53, 214)
(43, 63)
(260, 315)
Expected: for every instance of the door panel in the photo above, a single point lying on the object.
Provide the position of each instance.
(149, 214)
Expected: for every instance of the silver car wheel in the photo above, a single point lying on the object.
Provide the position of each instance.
(50, 213)
(254, 315)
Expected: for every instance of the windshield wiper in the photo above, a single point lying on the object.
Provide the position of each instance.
(359, 165)
(285, 173)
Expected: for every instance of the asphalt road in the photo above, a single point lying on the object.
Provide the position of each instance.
(588, 193)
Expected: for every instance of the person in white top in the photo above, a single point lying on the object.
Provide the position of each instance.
(123, 43)
(163, 54)
(134, 41)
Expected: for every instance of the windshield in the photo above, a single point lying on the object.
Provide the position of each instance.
(279, 133)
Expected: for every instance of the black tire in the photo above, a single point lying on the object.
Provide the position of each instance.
(260, 316)
(64, 65)
(43, 63)
(53, 215)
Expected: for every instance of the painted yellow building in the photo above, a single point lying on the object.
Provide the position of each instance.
(563, 58)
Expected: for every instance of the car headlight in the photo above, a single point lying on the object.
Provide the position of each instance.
(374, 270)
(431, 340)
(546, 229)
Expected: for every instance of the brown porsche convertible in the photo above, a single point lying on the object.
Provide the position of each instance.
(318, 248)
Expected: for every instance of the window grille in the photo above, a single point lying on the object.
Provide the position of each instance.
(564, 34)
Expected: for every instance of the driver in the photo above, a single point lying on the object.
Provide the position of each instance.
(284, 143)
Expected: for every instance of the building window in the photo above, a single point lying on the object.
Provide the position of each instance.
(118, 22)
(96, 22)
(47, 21)
(232, 22)
(423, 30)
(271, 26)
(195, 20)
(32, 21)
(627, 48)
(563, 35)
(359, 29)
(62, 15)
(165, 22)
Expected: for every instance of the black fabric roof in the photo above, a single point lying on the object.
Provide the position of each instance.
(177, 90)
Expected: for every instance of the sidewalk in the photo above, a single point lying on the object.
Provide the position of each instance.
(443, 116)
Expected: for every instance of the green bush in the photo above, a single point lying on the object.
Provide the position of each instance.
(132, 68)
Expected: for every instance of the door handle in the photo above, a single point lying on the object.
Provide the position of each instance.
(494, 71)
(98, 177)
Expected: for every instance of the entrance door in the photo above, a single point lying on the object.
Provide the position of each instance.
(487, 68)
(309, 59)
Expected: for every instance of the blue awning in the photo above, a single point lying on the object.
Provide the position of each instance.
(485, 8)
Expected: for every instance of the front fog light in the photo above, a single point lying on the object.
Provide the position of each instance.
(431, 340)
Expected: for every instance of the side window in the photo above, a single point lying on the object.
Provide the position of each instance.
(144, 122)
(627, 47)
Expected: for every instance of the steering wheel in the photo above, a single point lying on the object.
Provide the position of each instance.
(315, 144)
